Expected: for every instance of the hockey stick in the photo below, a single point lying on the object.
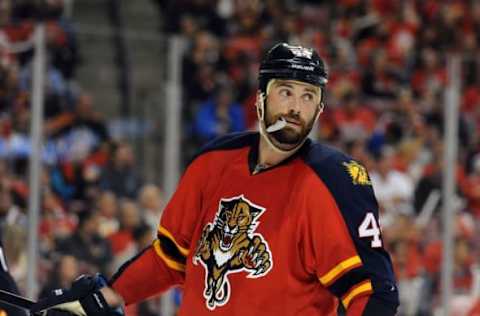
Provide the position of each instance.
(15, 300)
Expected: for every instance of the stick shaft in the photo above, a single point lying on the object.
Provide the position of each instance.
(15, 300)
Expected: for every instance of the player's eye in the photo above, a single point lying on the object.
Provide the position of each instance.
(308, 97)
(284, 93)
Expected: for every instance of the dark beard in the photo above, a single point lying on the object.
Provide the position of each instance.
(288, 135)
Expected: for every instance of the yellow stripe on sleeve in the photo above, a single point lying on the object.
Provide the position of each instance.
(169, 262)
(362, 288)
(163, 231)
(340, 269)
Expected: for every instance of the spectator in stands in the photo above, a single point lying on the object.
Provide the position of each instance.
(10, 212)
(122, 241)
(199, 68)
(393, 189)
(204, 11)
(15, 239)
(9, 85)
(64, 272)
(354, 120)
(55, 223)
(87, 245)
(61, 39)
(78, 140)
(142, 236)
(55, 89)
(79, 133)
(121, 175)
(408, 269)
(219, 115)
(431, 177)
(466, 278)
(471, 188)
(107, 207)
(430, 76)
(381, 79)
(151, 202)
(462, 268)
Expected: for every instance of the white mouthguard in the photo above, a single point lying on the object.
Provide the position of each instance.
(278, 125)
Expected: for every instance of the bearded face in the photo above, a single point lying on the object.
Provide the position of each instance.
(298, 104)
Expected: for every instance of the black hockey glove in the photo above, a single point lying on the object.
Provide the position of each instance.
(82, 299)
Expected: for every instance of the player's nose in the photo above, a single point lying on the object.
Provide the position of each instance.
(294, 104)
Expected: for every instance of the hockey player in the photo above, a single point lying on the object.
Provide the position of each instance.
(266, 223)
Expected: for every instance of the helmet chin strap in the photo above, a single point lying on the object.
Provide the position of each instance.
(278, 125)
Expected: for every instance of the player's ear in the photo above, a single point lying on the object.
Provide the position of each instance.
(259, 104)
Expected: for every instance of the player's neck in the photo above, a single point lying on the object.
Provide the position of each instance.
(269, 157)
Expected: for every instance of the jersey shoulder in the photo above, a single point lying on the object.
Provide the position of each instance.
(315, 154)
(228, 142)
(346, 179)
(332, 164)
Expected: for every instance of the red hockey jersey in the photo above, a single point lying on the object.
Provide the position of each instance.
(296, 239)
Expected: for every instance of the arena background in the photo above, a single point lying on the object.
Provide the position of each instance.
(131, 89)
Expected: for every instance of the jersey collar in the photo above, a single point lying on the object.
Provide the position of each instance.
(253, 156)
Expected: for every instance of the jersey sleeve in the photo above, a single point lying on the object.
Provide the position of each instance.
(162, 265)
(345, 239)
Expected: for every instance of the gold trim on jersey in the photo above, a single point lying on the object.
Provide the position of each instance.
(362, 288)
(340, 269)
(169, 262)
(163, 231)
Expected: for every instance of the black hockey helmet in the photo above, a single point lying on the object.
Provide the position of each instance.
(285, 61)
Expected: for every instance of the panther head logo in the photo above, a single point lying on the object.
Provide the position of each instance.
(229, 245)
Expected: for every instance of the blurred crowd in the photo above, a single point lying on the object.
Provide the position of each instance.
(96, 211)
(387, 63)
